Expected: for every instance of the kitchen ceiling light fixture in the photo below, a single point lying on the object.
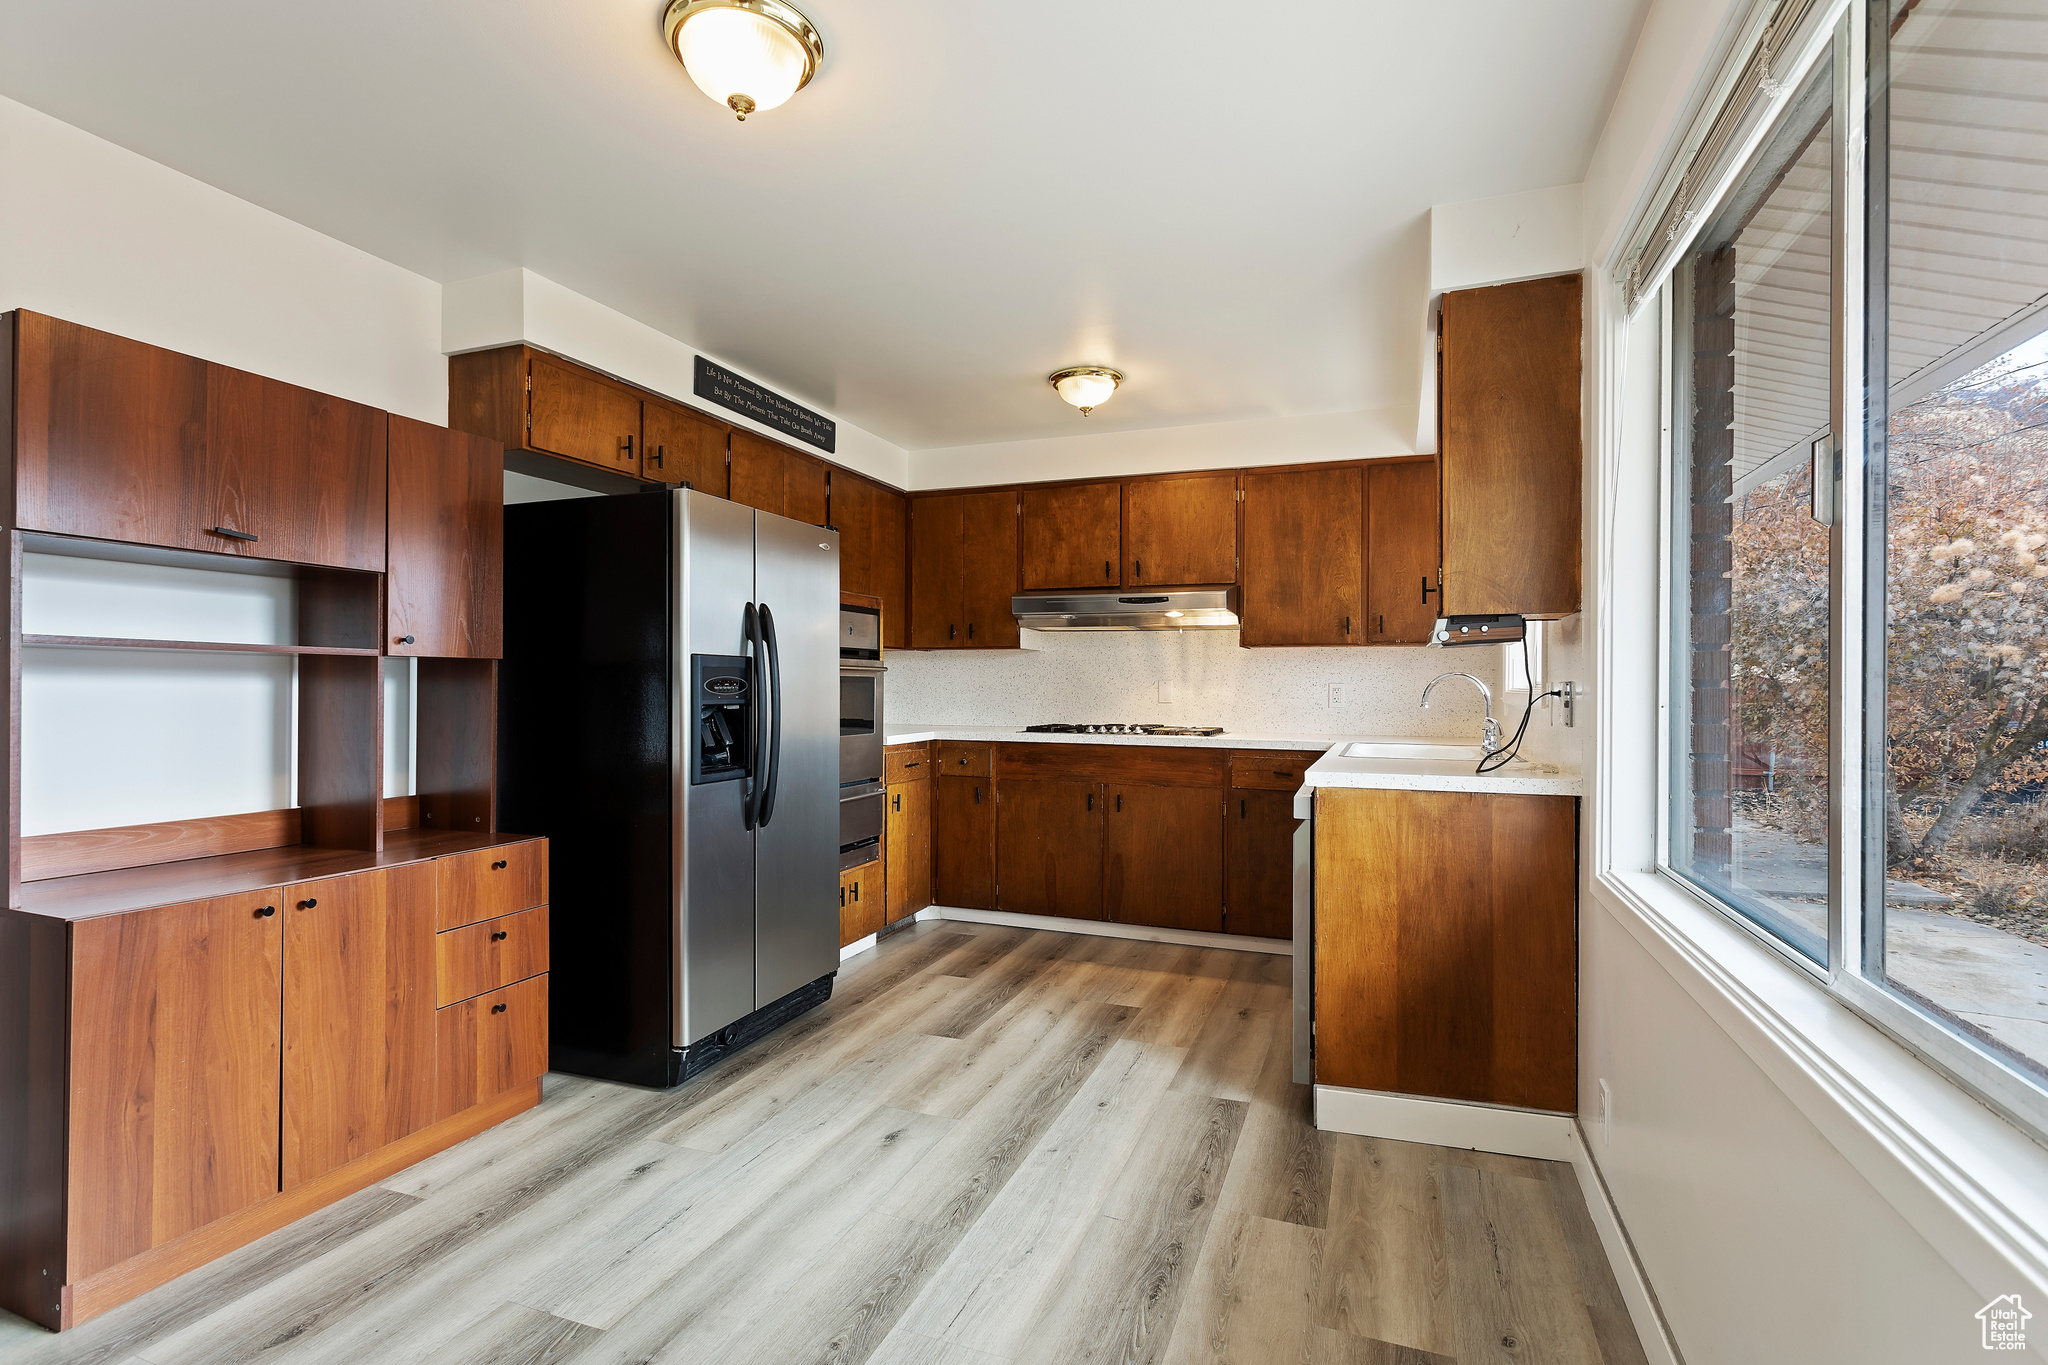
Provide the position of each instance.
(748, 55)
(1087, 387)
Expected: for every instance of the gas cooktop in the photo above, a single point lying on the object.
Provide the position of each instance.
(1168, 730)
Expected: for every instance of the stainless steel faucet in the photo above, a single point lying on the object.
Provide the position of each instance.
(1489, 738)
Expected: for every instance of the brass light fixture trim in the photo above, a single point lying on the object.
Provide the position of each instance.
(1097, 372)
(785, 17)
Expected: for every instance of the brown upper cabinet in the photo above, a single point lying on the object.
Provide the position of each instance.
(1304, 567)
(872, 522)
(1400, 551)
(963, 571)
(681, 446)
(1509, 448)
(445, 584)
(1070, 536)
(117, 440)
(582, 416)
(1180, 530)
(770, 477)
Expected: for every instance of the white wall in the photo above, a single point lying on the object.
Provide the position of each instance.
(1114, 676)
(1755, 1156)
(1165, 450)
(98, 235)
(518, 305)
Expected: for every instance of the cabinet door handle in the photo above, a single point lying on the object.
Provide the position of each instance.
(1137, 568)
(498, 1008)
(977, 796)
(856, 893)
(498, 866)
(404, 640)
(1107, 571)
(1347, 627)
(896, 802)
(1240, 808)
(918, 764)
(842, 898)
(659, 451)
(1383, 623)
(1282, 772)
(1091, 800)
(970, 630)
(951, 631)
(232, 534)
(265, 911)
(629, 447)
(1119, 803)
(308, 904)
(500, 936)
(1427, 590)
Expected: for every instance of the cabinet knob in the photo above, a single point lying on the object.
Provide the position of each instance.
(498, 866)
(499, 937)
(308, 904)
(497, 1009)
(405, 639)
(265, 912)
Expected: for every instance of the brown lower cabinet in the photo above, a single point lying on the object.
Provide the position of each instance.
(1162, 857)
(862, 902)
(1258, 831)
(178, 1080)
(907, 844)
(964, 842)
(1049, 847)
(1446, 945)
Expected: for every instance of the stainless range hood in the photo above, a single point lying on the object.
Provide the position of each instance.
(1172, 609)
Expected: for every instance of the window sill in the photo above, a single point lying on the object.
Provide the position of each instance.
(1971, 1183)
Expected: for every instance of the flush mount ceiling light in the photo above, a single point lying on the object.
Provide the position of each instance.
(1087, 387)
(746, 54)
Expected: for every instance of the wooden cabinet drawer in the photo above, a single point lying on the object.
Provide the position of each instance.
(963, 760)
(492, 882)
(482, 957)
(910, 764)
(490, 1044)
(1278, 770)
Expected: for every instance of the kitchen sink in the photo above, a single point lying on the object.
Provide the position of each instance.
(1396, 751)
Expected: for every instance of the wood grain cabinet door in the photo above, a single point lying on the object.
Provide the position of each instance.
(1304, 565)
(1259, 829)
(989, 569)
(489, 1045)
(1400, 551)
(681, 446)
(759, 472)
(964, 842)
(1446, 956)
(908, 841)
(300, 472)
(938, 544)
(1180, 531)
(110, 437)
(1049, 847)
(1070, 537)
(445, 584)
(358, 1015)
(888, 564)
(1162, 861)
(575, 414)
(1508, 375)
(806, 489)
(861, 903)
(174, 1073)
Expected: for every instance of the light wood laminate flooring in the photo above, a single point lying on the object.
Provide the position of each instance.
(994, 1144)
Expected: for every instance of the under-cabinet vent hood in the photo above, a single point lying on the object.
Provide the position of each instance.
(1176, 609)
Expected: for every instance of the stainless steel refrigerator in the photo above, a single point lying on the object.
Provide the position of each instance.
(669, 720)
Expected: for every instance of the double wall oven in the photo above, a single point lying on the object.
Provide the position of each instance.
(862, 794)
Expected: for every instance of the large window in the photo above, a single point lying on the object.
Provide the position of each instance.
(1859, 571)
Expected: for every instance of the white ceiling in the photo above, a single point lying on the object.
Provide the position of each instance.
(1228, 201)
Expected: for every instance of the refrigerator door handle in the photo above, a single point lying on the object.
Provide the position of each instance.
(750, 795)
(774, 766)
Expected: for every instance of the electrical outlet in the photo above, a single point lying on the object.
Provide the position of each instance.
(1166, 694)
(1606, 1114)
(1337, 691)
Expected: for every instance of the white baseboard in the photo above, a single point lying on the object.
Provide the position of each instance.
(857, 947)
(1445, 1123)
(1194, 938)
(1643, 1310)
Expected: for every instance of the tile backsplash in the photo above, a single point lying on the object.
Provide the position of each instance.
(1116, 675)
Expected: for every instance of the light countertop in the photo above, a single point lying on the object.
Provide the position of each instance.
(1331, 770)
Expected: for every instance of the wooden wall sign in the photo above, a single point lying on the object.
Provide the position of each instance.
(721, 386)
